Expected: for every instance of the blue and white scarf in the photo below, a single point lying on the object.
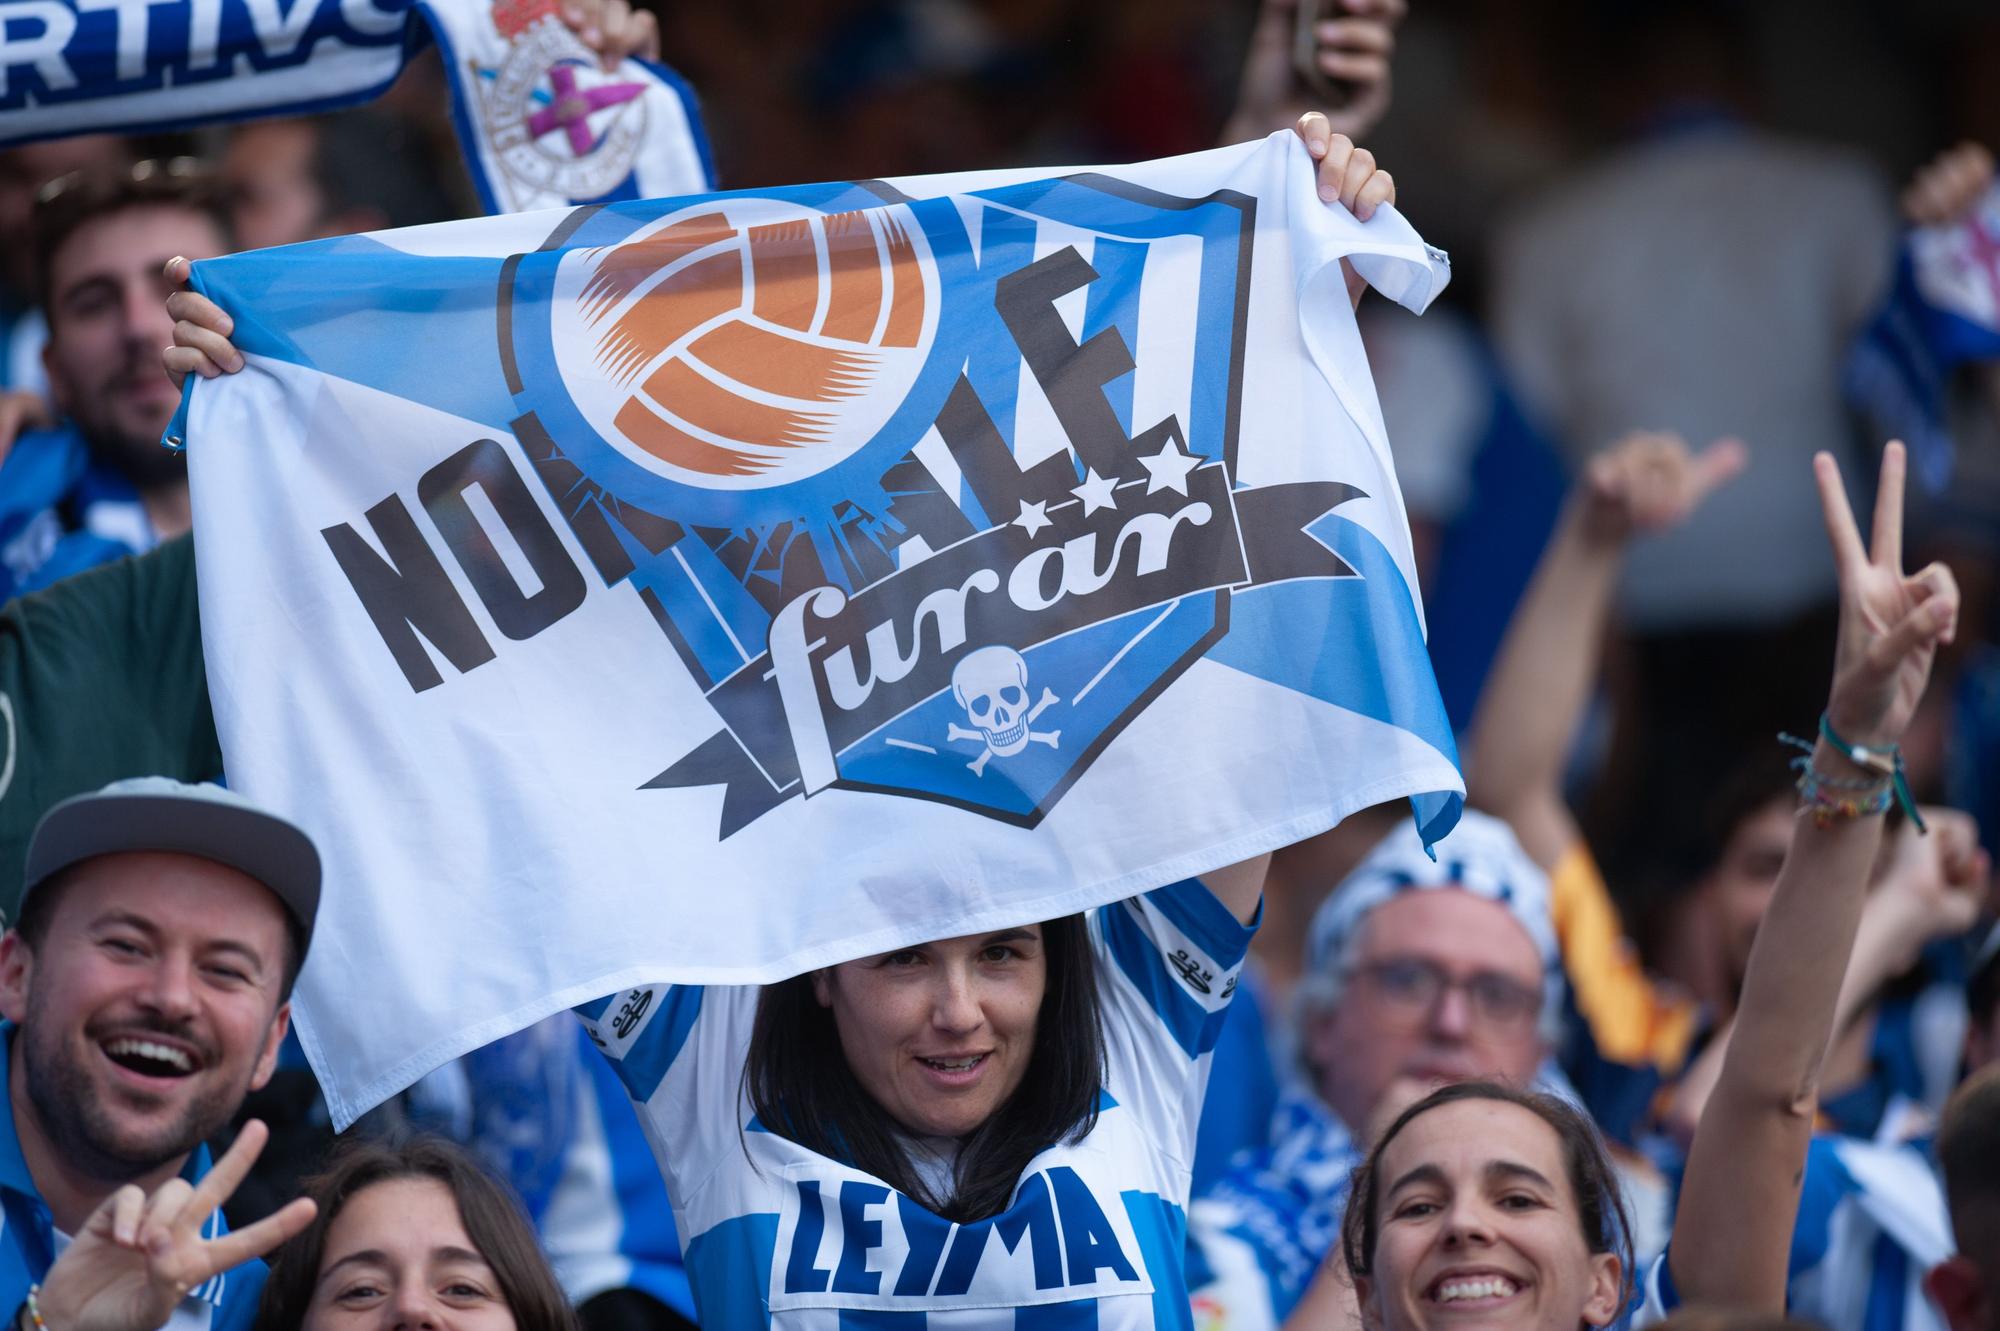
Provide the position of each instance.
(1942, 312)
(542, 123)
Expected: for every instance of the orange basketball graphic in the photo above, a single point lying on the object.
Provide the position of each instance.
(747, 344)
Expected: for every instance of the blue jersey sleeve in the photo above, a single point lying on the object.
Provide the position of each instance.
(642, 1031)
(1169, 963)
(1182, 951)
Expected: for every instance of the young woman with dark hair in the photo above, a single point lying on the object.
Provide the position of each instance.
(1484, 1206)
(1583, 1170)
(802, 1078)
(414, 1234)
(998, 1121)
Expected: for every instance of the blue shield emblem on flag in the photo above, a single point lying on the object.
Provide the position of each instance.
(932, 497)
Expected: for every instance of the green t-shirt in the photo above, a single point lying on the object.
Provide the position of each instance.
(101, 678)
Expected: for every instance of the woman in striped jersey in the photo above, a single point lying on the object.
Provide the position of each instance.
(992, 1130)
(1482, 1206)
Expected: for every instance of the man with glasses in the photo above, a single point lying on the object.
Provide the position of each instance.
(1419, 973)
(100, 486)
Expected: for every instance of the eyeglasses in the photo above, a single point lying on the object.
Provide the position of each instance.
(157, 172)
(71, 201)
(1496, 1002)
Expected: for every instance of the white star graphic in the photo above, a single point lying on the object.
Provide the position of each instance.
(1033, 517)
(1168, 469)
(1095, 492)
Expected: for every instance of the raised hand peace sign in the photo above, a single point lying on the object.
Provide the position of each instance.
(1890, 623)
(139, 1256)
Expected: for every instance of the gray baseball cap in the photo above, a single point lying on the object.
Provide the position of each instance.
(159, 813)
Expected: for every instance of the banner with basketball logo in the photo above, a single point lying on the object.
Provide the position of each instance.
(1942, 312)
(542, 122)
(719, 587)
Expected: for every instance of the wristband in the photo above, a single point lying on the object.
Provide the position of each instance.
(1803, 765)
(1888, 761)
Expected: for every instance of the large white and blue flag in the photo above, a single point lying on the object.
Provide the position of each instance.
(541, 122)
(708, 589)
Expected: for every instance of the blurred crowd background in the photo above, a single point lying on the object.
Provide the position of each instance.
(1664, 215)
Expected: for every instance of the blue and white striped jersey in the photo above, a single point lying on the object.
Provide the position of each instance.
(550, 1116)
(608, 1223)
(1653, 1299)
(1872, 1222)
(779, 1236)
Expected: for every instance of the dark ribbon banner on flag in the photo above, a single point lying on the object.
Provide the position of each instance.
(1006, 585)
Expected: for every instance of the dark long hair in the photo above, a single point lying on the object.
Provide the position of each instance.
(1601, 1213)
(800, 1086)
(493, 1220)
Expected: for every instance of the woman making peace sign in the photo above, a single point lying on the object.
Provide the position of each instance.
(1481, 1206)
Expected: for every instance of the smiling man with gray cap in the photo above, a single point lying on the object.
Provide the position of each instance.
(146, 987)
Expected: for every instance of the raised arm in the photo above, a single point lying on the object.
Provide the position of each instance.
(1240, 887)
(1946, 189)
(1352, 44)
(1934, 887)
(1548, 662)
(1741, 1190)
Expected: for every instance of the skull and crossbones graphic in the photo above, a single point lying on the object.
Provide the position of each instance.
(991, 684)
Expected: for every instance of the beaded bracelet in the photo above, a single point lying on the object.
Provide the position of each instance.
(1887, 761)
(1827, 805)
(34, 1306)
